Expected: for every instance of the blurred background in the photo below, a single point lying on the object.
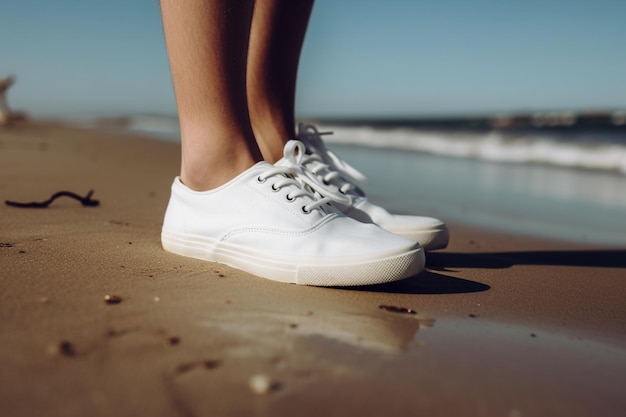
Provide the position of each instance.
(503, 114)
(361, 57)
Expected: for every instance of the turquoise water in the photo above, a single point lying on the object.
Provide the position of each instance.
(554, 202)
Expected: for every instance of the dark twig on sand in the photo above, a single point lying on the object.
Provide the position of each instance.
(85, 201)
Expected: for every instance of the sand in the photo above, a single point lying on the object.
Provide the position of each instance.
(498, 325)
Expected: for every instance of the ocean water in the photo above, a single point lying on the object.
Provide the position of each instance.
(563, 179)
(538, 200)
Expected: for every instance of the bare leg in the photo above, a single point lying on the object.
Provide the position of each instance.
(276, 37)
(207, 43)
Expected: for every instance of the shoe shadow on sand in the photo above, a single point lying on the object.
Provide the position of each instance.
(433, 280)
(426, 283)
(445, 261)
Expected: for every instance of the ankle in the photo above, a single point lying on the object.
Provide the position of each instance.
(204, 175)
(272, 133)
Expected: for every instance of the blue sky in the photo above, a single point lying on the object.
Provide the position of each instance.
(361, 58)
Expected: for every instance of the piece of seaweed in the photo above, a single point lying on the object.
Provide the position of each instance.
(86, 201)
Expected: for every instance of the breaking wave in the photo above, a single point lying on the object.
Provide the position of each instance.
(590, 151)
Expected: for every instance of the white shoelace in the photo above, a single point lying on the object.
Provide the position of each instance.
(324, 164)
(290, 173)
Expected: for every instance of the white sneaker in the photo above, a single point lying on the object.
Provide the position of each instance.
(272, 222)
(429, 232)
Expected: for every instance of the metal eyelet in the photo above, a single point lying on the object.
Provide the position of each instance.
(260, 180)
(274, 188)
(289, 198)
(305, 211)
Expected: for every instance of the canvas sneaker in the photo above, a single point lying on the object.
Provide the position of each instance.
(338, 175)
(273, 222)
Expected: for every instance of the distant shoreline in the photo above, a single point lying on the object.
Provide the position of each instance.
(612, 121)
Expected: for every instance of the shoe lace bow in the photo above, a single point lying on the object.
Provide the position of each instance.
(290, 172)
(325, 164)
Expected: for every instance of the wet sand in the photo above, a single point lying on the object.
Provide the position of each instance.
(498, 325)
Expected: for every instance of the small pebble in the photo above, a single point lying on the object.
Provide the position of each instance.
(157, 299)
(472, 315)
(112, 299)
(262, 384)
(211, 364)
(394, 309)
(63, 348)
(44, 300)
(173, 341)
(207, 364)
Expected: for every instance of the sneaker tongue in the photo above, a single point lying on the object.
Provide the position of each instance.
(314, 145)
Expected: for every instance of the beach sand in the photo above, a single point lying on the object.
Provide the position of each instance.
(498, 325)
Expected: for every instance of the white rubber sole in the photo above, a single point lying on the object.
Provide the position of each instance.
(336, 272)
(432, 239)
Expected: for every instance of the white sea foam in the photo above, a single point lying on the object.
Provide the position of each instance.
(542, 147)
(490, 146)
(162, 126)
